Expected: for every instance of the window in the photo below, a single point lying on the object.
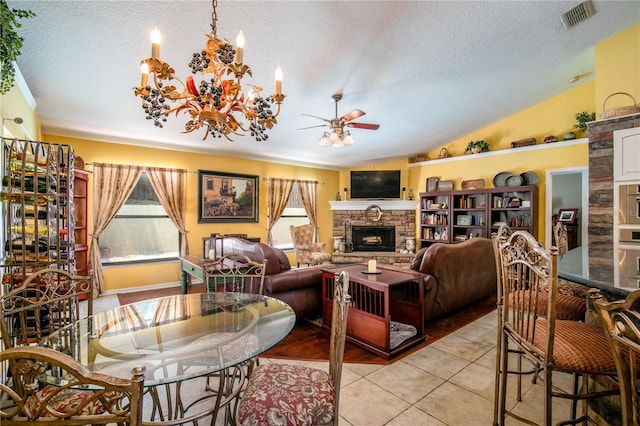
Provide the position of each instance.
(294, 214)
(141, 231)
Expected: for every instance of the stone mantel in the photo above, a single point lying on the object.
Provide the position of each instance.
(383, 204)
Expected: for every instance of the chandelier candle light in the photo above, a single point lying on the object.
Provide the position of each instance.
(219, 103)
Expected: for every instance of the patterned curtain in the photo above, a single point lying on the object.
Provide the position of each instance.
(277, 197)
(308, 191)
(170, 186)
(112, 185)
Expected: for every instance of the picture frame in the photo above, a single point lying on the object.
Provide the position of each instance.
(463, 219)
(567, 216)
(227, 197)
(432, 184)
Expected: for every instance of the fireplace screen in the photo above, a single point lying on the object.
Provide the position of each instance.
(373, 238)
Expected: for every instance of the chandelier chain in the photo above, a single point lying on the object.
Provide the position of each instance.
(214, 17)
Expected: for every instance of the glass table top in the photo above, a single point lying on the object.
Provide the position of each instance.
(176, 338)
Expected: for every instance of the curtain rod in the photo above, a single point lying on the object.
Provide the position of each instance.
(298, 180)
(265, 179)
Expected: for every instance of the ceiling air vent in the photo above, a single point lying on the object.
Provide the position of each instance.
(580, 13)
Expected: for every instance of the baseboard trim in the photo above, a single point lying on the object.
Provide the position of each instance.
(143, 288)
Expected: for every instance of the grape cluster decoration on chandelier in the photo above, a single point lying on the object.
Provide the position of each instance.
(218, 104)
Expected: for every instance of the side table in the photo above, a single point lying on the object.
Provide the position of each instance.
(377, 299)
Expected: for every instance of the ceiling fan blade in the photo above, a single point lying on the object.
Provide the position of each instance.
(313, 127)
(319, 118)
(352, 115)
(364, 126)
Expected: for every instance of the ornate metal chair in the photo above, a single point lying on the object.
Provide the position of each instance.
(307, 251)
(560, 238)
(549, 343)
(234, 272)
(285, 392)
(45, 302)
(103, 400)
(621, 321)
(569, 306)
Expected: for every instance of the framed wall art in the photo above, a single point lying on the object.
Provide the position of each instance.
(567, 216)
(227, 197)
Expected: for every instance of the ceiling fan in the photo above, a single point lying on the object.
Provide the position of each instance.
(338, 137)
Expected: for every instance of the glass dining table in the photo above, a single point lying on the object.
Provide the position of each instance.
(197, 349)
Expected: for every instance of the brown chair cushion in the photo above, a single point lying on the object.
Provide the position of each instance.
(578, 346)
(567, 307)
(283, 394)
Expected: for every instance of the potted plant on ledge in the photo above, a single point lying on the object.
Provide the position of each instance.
(477, 146)
(582, 118)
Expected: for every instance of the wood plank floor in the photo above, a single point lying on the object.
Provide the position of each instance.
(308, 341)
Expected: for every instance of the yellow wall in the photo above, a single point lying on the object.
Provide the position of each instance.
(130, 276)
(15, 104)
(618, 69)
(554, 116)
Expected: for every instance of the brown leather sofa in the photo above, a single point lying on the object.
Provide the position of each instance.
(456, 275)
(299, 288)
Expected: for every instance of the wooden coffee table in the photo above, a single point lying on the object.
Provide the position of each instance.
(393, 294)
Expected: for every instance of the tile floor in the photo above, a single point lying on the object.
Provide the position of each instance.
(450, 382)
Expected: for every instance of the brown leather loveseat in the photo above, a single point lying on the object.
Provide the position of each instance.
(456, 275)
(299, 288)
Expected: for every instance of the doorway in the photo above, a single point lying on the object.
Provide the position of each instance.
(567, 189)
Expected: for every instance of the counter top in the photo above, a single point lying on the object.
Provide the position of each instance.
(574, 267)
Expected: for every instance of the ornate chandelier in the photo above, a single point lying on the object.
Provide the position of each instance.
(218, 103)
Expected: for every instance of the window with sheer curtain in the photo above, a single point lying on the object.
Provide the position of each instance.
(141, 231)
(294, 214)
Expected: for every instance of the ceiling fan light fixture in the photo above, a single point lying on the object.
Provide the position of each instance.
(337, 136)
(347, 139)
(325, 139)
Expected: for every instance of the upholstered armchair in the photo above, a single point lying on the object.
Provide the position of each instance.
(306, 250)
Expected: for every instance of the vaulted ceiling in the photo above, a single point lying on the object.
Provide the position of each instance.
(427, 71)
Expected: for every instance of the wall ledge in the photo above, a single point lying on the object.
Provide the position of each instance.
(508, 151)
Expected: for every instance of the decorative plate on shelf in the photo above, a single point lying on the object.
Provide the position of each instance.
(514, 180)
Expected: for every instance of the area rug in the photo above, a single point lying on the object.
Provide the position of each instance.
(310, 341)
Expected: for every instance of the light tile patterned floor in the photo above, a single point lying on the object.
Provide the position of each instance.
(450, 382)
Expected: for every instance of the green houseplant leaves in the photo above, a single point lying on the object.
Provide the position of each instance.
(11, 44)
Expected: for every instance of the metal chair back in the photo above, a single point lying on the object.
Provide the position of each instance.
(621, 321)
(47, 300)
(97, 398)
(234, 272)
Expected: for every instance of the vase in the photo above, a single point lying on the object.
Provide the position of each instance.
(336, 244)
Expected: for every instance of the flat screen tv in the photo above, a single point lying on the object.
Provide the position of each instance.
(375, 184)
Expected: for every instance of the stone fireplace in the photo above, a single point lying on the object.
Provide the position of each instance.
(373, 238)
(376, 229)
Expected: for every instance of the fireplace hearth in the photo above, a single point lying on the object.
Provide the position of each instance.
(373, 238)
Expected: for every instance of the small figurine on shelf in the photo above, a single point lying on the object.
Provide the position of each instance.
(338, 197)
(410, 194)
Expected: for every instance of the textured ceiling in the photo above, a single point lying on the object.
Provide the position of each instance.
(427, 72)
